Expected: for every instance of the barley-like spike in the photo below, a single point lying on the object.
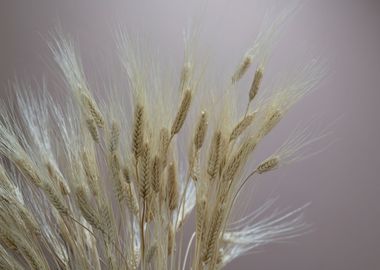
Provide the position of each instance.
(5, 182)
(28, 170)
(268, 165)
(182, 112)
(200, 132)
(138, 131)
(172, 187)
(151, 253)
(185, 76)
(107, 221)
(238, 159)
(93, 129)
(87, 211)
(89, 168)
(58, 179)
(8, 261)
(92, 109)
(241, 126)
(7, 240)
(170, 239)
(156, 174)
(213, 234)
(214, 154)
(132, 203)
(242, 69)
(126, 175)
(116, 176)
(255, 84)
(145, 184)
(114, 137)
(163, 145)
(55, 198)
(271, 121)
(29, 220)
(34, 260)
(200, 218)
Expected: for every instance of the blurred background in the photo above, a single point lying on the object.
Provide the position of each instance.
(342, 183)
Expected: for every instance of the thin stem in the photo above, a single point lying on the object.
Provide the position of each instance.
(188, 251)
(247, 108)
(142, 237)
(236, 195)
(116, 247)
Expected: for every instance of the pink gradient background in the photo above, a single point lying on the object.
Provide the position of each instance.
(342, 183)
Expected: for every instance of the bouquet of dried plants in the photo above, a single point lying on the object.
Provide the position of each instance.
(111, 181)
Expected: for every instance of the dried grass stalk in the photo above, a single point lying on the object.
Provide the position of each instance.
(242, 69)
(182, 112)
(92, 109)
(138, 131)
(214, 154)
(172, 187)
(255, 84)
(200, 131)
(156, 174)
(145, 172)
(268, 165)
(241, 126)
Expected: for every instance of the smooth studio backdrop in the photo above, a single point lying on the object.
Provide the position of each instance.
(342, 182)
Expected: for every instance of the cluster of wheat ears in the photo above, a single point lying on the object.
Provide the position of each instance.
(110, 182)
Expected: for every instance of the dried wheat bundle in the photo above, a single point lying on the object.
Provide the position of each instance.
(93, 182)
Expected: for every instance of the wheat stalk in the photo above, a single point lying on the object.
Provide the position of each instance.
(100, 185)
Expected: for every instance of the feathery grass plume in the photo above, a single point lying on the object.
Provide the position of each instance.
(87, 182)
(296, 147)
(261, 228)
